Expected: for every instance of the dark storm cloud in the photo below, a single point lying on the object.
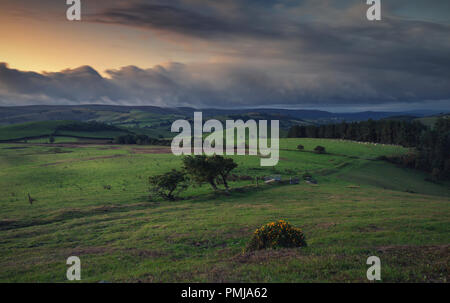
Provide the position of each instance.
(214, 85)
(273, 53)
(344, 42)
(83, 84)
(204, 22)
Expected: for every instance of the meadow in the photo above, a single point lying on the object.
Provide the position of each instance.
(92, 201)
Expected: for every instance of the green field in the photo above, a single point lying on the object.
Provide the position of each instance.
(39, 132)
(92, 202)
(42, 130)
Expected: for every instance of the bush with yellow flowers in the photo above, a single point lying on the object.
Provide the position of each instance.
(276, 235)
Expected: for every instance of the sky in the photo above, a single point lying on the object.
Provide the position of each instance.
(320, 54)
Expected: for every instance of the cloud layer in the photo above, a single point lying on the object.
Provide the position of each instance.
(266, 53)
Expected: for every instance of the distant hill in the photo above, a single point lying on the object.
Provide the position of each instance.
(401, 118)
(429, 121)
(152, 116)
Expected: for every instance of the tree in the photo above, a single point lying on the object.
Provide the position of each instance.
(224, 166)
(203, 169)
(168, 185)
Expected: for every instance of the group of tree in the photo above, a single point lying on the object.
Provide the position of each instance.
(198, 170)
(383, 131)
(140, 140)
(432, 153)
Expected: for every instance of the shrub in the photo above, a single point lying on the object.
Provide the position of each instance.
(319, 149)
(307, 176)
(168, 185)
(276, 235)
(300, 147)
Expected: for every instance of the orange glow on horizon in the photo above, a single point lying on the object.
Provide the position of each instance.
(39, 45)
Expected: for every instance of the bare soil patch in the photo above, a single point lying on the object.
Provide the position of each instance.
(81, 160)
(163, 150)
(268, 255)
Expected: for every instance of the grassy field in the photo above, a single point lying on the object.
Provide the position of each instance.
(30, 129)
(92, 202)
(47, 128)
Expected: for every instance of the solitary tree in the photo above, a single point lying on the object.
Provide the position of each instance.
(168, 185)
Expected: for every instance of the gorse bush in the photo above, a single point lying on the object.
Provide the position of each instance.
(276, 235)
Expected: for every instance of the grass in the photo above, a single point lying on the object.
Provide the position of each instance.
(30, 129)
(361, 207)
(42, 130)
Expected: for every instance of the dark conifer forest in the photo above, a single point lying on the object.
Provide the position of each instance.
(432, 145)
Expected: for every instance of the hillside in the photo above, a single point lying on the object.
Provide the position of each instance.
(431, 120)
(92, 201)
(74, 129)
(159, 118)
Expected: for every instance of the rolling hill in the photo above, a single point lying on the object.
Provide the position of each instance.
(157, 117)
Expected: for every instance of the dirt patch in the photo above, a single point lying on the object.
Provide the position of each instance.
(7, 223)
(268, 255)
(17, 147)
(369, 228)
(147, 253)
(109, 148)
(101, 250)
(103, 157)
(440, 249)
(66, 145)
(426, 263)
(208, 244)
(164, 150)
(81, 160)
(92, 250)
(326, 225)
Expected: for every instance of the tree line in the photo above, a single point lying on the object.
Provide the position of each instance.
(432, 153)
(384, 131)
